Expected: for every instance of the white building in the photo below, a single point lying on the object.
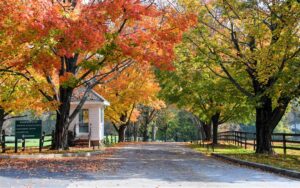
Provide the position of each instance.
(89, 123)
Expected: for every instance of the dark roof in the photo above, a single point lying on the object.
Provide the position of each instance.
(92, 96)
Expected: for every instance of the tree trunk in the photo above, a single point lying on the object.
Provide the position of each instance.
(2, 119)
(68, 65)
(176, 138)
(267, 119)
(121, 132)
(263, 130)
(153, 136)
(263, 135)
(135, 135)
(62, 119)
(215, 122)
(166, 132)
(60, 142)
(145, 133)
(207, 131)
(61, 131)
(215, 133)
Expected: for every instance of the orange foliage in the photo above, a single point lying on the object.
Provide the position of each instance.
(46, 37)
(142, 32)
(137, 85)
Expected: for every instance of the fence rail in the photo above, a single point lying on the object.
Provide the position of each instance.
(285, 141)
(4, 141)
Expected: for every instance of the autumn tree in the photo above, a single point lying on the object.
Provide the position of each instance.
(135, 86)
(148, 114)
(85, 43)
(255, 46)
(17, 93)
(195, 88)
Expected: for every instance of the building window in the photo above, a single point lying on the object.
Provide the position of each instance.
(84, 121)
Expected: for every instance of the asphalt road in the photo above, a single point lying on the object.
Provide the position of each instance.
(153, 165)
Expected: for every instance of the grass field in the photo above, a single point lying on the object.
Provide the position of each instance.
(35, 142)
(277, 150)
(290, 161)
(28, 142)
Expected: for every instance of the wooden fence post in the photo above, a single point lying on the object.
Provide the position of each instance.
(227, 138)
(234, 138)
(284, 144)
(23, 143)
(245, 140)
(53, 139)
(41, 142)
(254, 142)
(3, 141)
(16, 144)
(240, 139)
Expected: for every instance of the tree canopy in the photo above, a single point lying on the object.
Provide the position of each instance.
(83, 43)
(255, 46)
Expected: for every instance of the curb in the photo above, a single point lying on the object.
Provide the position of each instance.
(51, 156)
(276, 170)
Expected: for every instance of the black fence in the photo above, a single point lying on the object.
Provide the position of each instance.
(4, 142)
(283, 141)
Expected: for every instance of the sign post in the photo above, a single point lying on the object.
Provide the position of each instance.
(27, 129)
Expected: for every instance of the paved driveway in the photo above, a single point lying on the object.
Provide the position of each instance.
(153, 165)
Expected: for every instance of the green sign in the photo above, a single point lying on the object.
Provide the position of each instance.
(28, 129)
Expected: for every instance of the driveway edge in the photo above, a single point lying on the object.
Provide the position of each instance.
(276, 170)
(51, 156)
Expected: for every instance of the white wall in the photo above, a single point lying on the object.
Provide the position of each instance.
(102, 123)
(96, 121)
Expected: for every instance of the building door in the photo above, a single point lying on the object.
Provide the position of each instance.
(84, 121)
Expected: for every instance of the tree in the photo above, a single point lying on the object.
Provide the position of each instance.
(18, 95)
(176, 125)
(83, 43)
(164, 121)
(193, 87)
(135, 86)
(147, 114)
(255, 46)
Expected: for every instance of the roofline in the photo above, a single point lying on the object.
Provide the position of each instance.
(100, 96)
(105, 103)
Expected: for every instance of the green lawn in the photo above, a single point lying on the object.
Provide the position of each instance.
(28, 142)
(290, 161)
(35, 142)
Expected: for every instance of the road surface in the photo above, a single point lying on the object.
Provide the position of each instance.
(153, 165)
